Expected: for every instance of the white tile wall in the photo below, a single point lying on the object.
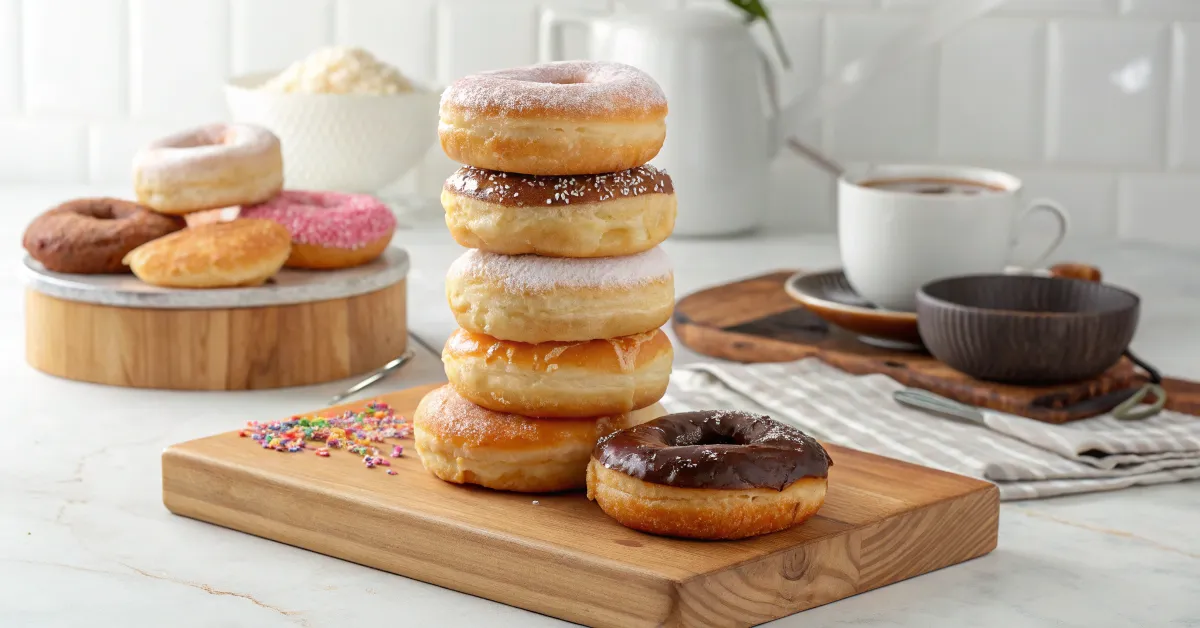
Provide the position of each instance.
(1093, 102)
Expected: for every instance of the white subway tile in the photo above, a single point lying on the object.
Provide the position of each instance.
(400, 33)
(10, 56)
(801, 33)
(1089, 198)
(892, 116)
(1159, 208)
(476, 35)
(180, 58)
(75, 57)
(1180, 9)
(111, 147)
(1108, 93)
(1027, 7)
(801, 196)
(272, 34)
(1184, 120)
(42, 151)
(992, 91)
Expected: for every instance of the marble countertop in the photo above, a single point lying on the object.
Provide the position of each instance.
(84, 535)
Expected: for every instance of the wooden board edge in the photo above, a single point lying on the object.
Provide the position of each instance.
(903, 546)
(617, 596)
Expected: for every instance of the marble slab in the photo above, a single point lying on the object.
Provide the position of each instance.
(288, 287)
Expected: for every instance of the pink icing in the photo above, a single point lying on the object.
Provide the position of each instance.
(329, 219)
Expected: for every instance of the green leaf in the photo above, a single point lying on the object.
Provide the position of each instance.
(755, 10)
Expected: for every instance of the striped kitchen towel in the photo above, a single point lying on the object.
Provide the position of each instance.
(1027, 459)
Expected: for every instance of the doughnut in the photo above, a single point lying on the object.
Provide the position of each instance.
(714, 474)
(600, 215)
(529, 298)
(208, 167)
(559, 379)
(329, 230)
(217, 255)
(562, 118)
(463, 443)
(92, 235)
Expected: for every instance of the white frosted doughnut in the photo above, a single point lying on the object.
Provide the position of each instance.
(219, 165)
(563, 118)
(529, 298)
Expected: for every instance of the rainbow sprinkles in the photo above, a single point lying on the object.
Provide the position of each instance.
(361, 433)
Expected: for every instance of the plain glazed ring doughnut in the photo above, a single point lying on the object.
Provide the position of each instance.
(219, 165)
(563, 118)
(601, 215)
(559, 379)
(714, 474)
(463, 443)
(217, 255)
(329, 229)
(93, 235)
(529, 298)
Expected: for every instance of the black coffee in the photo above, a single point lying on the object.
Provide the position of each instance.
(934, 186)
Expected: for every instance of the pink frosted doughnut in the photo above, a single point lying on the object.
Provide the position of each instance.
(219, 165)
(329, 229)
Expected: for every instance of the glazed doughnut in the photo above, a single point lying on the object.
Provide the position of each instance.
(212, 166)
(529, 298)
(218, 255)
(715, 474)
(92, 235)
(559, 379)
(329, 230)
(563, 118)
(463, 443)
(599, 215)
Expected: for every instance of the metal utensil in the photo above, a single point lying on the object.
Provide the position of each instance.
(384, 370)
(939, 405)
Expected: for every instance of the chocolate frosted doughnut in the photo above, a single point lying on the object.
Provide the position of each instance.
(92, 235)
(715, 474)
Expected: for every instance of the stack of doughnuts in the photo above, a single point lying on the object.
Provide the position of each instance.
(191, 179)
(561, 297)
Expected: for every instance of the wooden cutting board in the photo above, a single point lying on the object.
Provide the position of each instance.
(560, 555)
(754, 320)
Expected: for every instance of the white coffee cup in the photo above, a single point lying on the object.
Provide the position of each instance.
(894, 241)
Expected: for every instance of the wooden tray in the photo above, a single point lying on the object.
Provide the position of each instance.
(883, 521)
(303, 328)
(754, 320)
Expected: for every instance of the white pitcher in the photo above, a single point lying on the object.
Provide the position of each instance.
(721, 134)
(719, 146)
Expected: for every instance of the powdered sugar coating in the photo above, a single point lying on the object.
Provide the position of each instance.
(203, 150)
(329, 219)
(565, 89)
(448, 415)
(534, 274)
(527, 190)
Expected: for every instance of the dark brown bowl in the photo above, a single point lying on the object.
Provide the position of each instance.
(1026, 330)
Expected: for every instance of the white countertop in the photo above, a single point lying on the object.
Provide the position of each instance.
(84, 535)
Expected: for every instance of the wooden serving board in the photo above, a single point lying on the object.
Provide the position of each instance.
(560, 555)
(754, 320)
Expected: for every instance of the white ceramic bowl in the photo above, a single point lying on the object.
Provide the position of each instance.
(340, 142)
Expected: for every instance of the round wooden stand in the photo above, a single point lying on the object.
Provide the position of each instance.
(305, 328)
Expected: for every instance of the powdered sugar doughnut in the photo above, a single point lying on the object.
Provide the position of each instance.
(329, 229)
(219, 165)
(562, 118)
(528, 298)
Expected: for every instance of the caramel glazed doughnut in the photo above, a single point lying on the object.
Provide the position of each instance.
(563, 118)
(529, 298)
(604, 215)
(713, 474)
(559, 379)
(463, 443)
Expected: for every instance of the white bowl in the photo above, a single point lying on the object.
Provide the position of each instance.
(340, 142)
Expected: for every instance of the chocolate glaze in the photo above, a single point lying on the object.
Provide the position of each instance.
(526, 190)
(724, 449)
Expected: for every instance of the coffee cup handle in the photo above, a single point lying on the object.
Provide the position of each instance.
(1060, 215)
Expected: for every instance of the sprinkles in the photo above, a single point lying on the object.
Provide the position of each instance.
(360, 433)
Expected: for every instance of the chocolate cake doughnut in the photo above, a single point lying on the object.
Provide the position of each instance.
(93, 235)
(715, 474)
